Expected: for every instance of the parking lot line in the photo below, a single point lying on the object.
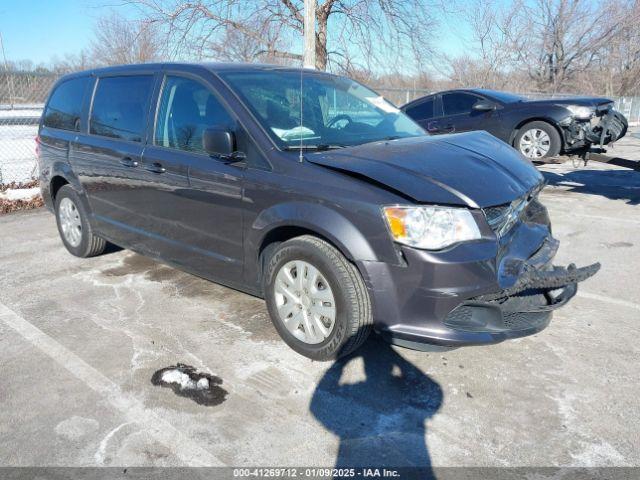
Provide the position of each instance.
(183, 447)
(614, 301)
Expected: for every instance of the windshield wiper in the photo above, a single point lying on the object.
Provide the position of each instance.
(321, 147)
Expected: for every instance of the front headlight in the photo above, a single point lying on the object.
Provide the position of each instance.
(430, 227)
(580, 112)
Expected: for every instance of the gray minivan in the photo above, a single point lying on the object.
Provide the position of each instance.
(310, 190)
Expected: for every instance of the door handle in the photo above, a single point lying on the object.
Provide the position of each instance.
(155, 168)
(127, 162)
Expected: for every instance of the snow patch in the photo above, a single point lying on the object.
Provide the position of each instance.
(182, 379)
(20, 194)
(186, 381)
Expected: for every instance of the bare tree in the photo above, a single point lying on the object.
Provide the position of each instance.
(118, 40)
(269, 45)
(589, 46)
(348, 32)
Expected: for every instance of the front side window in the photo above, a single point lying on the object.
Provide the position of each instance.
(456, 103)
(186, 109)
(422, 111)
(120, 107)
(327, 110)
(65, 105)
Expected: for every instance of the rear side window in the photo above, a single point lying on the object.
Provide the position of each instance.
(455, 103)
(421, 111)
(120, 107)
(186, 109)
(65, 105)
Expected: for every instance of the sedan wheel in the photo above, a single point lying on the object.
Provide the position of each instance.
(535, 143)
(305, 302)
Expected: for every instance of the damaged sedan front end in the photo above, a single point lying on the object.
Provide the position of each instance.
(591, 123)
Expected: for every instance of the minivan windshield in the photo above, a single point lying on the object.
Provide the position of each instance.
(331, 112)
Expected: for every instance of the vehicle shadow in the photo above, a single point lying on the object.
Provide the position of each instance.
(618, 161)
(612, 184)
(380, 420)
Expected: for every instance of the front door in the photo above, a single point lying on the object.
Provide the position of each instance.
(200, 222)
(459, 115)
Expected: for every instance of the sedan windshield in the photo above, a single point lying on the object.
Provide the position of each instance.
(504, 97)
(331, 112)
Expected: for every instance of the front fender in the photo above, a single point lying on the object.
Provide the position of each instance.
(551, 115)
(321, 219)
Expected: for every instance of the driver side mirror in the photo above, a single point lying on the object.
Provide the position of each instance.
(218, 142)
(484, 106)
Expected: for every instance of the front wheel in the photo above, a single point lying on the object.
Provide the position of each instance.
(538, 140)
(317, 299)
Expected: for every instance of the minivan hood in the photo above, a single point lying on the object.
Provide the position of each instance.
(474, 169)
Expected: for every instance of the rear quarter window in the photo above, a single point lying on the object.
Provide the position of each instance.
(421, 111)
(120, 107)
(65, 105)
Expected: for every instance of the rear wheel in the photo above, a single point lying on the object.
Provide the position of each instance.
(73, 225)
(538, 140)
(317, 299)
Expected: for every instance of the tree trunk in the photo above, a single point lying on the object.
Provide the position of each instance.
(321, 40)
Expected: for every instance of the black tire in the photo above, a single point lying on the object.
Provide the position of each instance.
(555, 143)
(90, 245)
(353, 319)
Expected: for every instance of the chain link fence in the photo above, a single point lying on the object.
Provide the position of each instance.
(22, 96)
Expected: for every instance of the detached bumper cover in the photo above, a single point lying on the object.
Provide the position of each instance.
(524, 308)
(557, 277)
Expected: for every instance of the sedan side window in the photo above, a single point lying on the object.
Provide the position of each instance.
(422, 111)
(456, 103)
(187, 108)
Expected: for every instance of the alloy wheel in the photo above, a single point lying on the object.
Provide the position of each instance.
(70, 222)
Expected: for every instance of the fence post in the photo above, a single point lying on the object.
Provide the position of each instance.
(9, 77)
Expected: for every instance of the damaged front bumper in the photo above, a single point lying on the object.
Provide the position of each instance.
(604, 128)
(437, 302)
(524, 308)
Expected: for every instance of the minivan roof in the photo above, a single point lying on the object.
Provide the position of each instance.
(212, 66)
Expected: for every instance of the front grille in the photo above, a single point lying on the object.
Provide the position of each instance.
(479, 318)
(498, 217)
(524, 320)
(502, 217)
